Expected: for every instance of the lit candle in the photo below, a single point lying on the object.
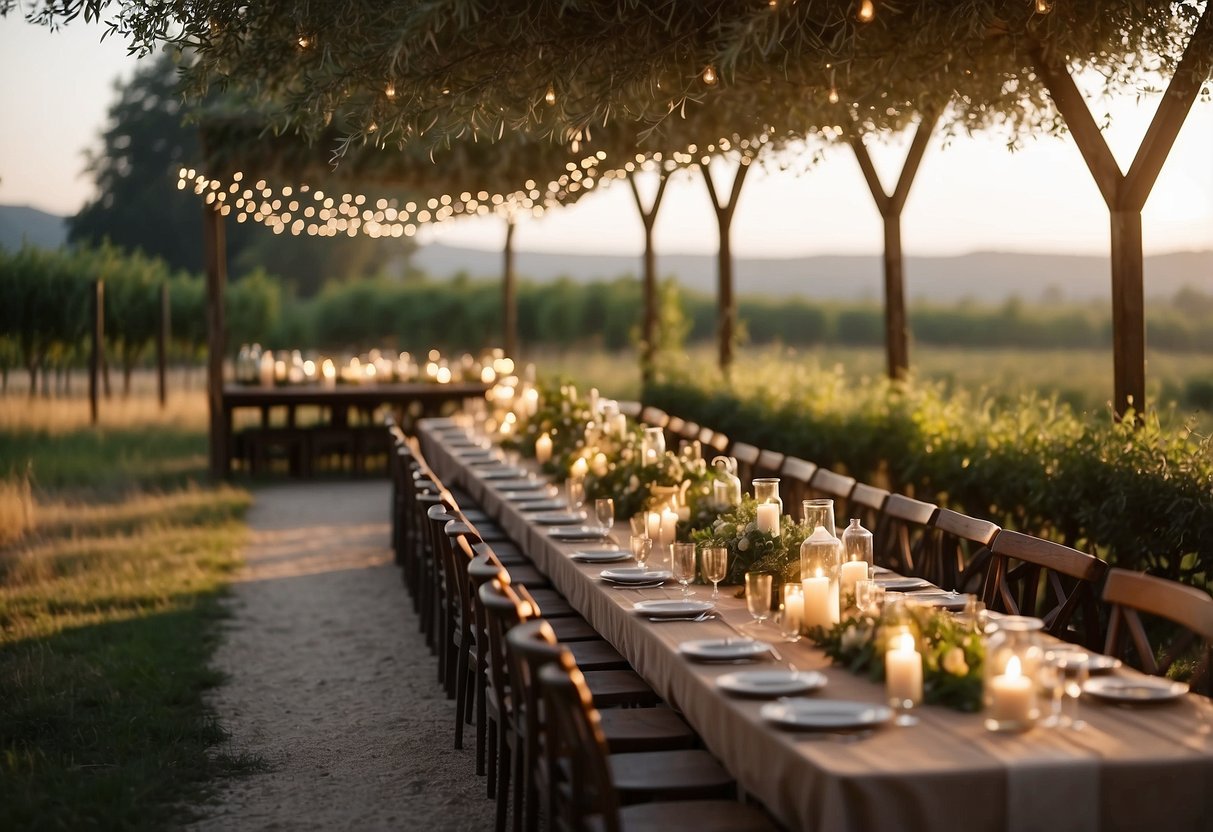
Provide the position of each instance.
(600, 465)
(1012, 696)
(329, 371)
(768, 518)
(267, 369)
(793, 607)
(903, 670)
(653, 527)
(669, 525)
(650, 456)
(816, 602)
(579, 468)
(852, 571)
(543, 448)
(621, 424)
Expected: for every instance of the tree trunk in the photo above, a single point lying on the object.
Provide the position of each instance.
(215, 253)
(648, 330)
(509, 296)
(896, 327)
(1128, 312)
(726, 305)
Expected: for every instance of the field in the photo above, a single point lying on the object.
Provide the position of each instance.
(113, 557)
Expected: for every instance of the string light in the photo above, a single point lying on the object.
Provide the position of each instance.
(709, 75)
(304, 41)
(867, 11)
(390, 90)
(833, 86)
(1044, 6)
(550, 95)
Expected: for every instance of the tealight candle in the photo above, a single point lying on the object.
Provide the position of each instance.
(768, 518)
(579, 468)
(903, 670)
(1012, 697)
(543, 448)
(852, 571)
(816, 602)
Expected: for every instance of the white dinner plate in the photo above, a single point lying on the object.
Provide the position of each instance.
(881, 570)
(635, 575)
(672, 607)
(505, 472)
(767, 684)
(1137, 689)
(825, 714)
(1094, 662)
(577, 533)
(521, 484)
(557, 518)
(903, 584)
(724, 649)
(602, 555)
(486, 460)
(540, 503)
(941, 599)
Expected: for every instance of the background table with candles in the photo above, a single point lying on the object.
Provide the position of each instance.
(1130, 768)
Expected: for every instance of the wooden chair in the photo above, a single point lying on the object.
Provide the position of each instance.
(957, 552)
(630, 409)
(673, 431)
(866, 503)
(690, 432)
(1030, 576)
(654, 417)
(769, 464)
(901, 532)
(718, 442)
(795, 475)
(827, 483)
(599, 783)
(1189, 609)
(531, 646)
(747, 458)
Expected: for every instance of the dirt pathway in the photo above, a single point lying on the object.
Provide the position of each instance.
(330, 681)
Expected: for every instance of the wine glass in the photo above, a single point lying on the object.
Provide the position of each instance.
(1068, 666)
(758, 595)
(574, 490)
(604, 511)
(640, 524)
(683, 558)
(715, 566)
(869, 596)
(642, 547)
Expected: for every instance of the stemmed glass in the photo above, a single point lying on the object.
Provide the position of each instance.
(574, 490)
(715, 566)
(1065, 670)
(642, 547)
(758, 595)
(869, 596)
(604, 511)
(683, 561)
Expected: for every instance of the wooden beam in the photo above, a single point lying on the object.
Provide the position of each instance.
(648, 327)
(1128, 313)
(162, 337)
(509, 296)
(726, 304)
(97, 351)
(215, 253)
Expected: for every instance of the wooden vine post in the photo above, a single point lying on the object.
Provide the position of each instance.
(163, 333)
(509, 296)
(891, 206)
(726, 303)
(648, 328)
(1126, 193)
(97, 347)
(215, 254)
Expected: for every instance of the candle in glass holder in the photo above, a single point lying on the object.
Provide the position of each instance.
(543, 448)
(620, 423)
(903, 669)
(579, 468)
(793, 607)
(599, 466)
(1012, 699)
(768, 518)
(669, 525)
(852, 571)
(653, 527)
(816, 601)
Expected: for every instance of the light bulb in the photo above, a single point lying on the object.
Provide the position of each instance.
(709, 75)
(304, 41)
(1044, 6)
(867, 11)
(550, 95)
(390, 90)
(833, 96)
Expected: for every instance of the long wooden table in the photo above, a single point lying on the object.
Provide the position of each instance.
(336, 402)
(1130, 769)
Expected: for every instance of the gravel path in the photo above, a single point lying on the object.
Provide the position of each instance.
(331, 683)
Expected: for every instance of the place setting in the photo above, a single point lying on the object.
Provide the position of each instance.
(529, 492)
(539, 503)
(770, 684)
(611, 554)
(635, 577)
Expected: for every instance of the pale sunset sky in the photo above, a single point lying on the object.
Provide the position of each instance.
(971, 195)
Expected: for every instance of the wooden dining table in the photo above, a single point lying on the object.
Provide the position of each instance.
(1143, 767)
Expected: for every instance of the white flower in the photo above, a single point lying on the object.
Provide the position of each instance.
(854, 638)
(743, 545)
(954, 662)
(633, 484)
(751, 527)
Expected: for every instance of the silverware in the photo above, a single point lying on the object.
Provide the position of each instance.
(703, 616)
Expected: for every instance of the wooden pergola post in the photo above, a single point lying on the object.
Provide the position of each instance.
(163, 333)
(1126, 194)
(726, 303)
(215, 255)
(891, 206)
(97, 352)
(648, 328)
(509, 296)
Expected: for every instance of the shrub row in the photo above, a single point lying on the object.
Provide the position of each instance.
(1140, 496)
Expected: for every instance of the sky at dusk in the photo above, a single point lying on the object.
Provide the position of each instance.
(972, 195)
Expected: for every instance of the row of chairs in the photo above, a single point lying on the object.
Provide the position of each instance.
(566, 731)
(1010, 571)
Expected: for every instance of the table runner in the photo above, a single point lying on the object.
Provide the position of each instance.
(1140, 768)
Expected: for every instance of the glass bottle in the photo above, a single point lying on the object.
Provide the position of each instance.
(1011, 672)
(819, 577)
(652, 446)
(726, 489)
(819, 512)
(770, 506)
(856, 559)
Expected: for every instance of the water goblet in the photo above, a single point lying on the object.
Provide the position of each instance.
(683, 563)
(574, 490)
(640, 524)
(715, 566)
(1070, 666)
(758, 595)
(604, 512)
(642, 547)
(869, 596)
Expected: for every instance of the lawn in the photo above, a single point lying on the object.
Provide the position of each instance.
(113, 558)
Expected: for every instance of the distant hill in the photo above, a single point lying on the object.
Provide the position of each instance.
(989, 277)
(20, 223)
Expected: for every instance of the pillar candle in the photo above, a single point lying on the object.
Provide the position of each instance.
(1012, 698)
(669, 524)
(816, 590)
(621, 424)
(903, 670)
(543, 449)
(793, 607)
(579, 468)
(768, 518)
(653, 527)
(599, 467)
(852, 571)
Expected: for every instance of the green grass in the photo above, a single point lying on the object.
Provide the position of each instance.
(109, 616)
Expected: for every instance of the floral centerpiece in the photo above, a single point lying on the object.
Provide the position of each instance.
(751, 550)
(634, 485)
(953, 653)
